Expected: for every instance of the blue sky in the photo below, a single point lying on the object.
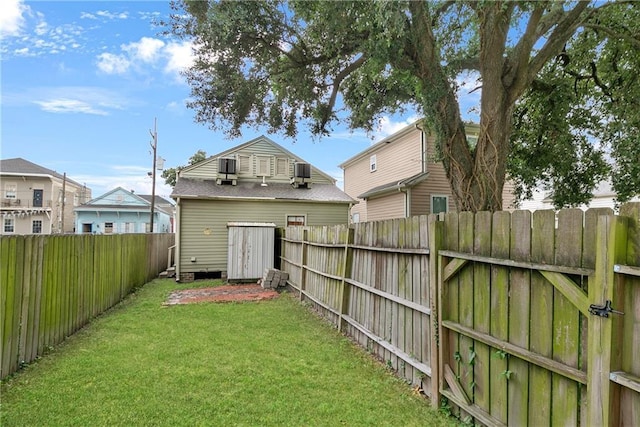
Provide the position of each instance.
(83, 81)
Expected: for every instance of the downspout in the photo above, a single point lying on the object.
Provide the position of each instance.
(402, 189)
(423, 148)
(177, 238)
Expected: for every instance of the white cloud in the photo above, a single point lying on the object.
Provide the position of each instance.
(65, 105)
(386, 126)
(42, 28)
(180, 57)
(12, 17)
(110, 15)
(113, 64)
(74, 99)
(146, 54)
(146, 50)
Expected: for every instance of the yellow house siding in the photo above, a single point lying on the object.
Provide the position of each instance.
(391, 206)
(203, 232)
(398, 159)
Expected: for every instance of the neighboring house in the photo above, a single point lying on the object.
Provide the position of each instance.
(37, 200)
(398, 177)
(603, 197)
(256, 182)
(122, 211)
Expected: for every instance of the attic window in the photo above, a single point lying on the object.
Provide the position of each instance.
(245, 164)
(373, 164)
(282, 166)
(263, 166)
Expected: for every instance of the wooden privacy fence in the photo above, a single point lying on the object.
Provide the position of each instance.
(506, 317)
(51, 286)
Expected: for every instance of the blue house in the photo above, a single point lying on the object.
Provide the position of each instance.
(122, 211)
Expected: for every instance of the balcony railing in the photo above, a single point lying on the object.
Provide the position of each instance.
(24, 203)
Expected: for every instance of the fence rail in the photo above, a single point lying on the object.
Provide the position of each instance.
(51, 286)
(506, 315)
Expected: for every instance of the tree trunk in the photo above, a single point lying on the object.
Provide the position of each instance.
(476, 174)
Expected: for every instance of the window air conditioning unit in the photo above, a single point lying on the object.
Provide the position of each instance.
(226, 171)
(227, 166)
(302, 170)
(301, 175)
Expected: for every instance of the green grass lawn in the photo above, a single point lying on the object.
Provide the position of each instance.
(268, 363)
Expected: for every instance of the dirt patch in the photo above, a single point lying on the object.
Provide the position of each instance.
(227, 293)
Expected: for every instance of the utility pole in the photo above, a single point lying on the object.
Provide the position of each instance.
(154, 146)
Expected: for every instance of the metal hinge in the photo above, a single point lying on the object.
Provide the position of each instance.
(603, 310)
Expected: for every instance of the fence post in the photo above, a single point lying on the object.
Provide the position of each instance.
(303, 264)
(602, 404)
(345, 288)
(436, 234)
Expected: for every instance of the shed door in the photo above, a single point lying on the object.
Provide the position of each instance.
(250, 252)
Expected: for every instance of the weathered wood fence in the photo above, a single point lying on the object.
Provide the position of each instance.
(499, 315)
(51, 286)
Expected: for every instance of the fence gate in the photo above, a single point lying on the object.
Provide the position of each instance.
(523, 339)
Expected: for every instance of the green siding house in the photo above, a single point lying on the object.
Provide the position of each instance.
(256, 182)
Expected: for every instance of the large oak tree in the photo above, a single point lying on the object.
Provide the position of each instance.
(559, 96)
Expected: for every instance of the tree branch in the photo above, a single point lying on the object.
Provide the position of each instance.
(336, 87)
(565, 28)
(465, 64)
(519, 58)
(607, 30)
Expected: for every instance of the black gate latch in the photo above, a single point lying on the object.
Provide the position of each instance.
(603, 310)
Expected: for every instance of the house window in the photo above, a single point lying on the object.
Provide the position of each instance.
(263, 165)
(9, 225)
(36, 226)
(130, 227)
(245, 164)
(282, 167)
(10, 190)
(373, 164)
(108, 227)
(355, 218)
(293, 220)
(439, 204)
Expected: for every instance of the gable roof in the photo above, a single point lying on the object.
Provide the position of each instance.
(260, 139)
(188, 188)
(109, 201)
(21, 167)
